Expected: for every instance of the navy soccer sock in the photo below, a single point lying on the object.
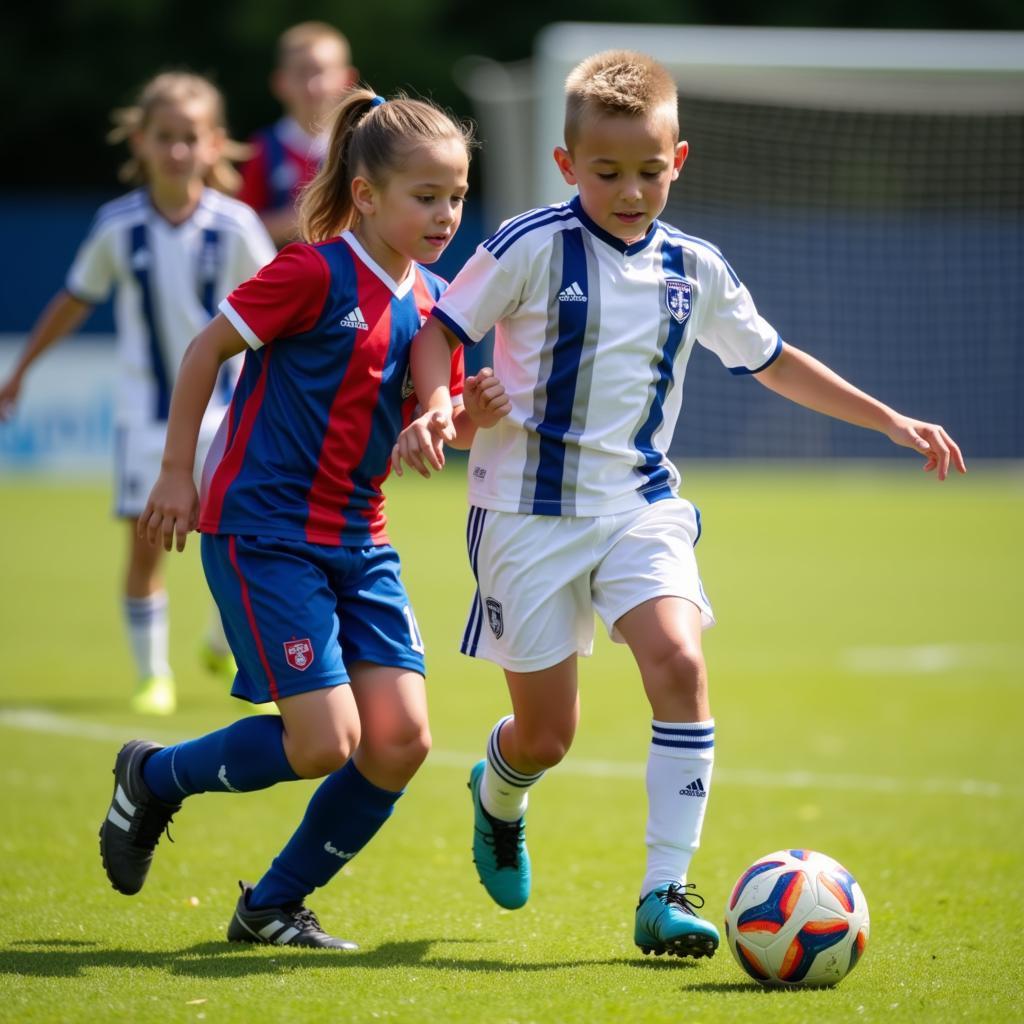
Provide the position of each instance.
(244, 756)
(342, 817)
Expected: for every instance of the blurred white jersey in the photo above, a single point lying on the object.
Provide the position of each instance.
(168, 280)
(592, 341)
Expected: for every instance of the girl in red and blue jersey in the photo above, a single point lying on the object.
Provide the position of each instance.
(294, 537)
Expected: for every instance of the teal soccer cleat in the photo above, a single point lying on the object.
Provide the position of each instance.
(667, 922)
(499, 851)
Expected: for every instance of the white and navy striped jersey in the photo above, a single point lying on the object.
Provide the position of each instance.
(168, 280)
(592, 340)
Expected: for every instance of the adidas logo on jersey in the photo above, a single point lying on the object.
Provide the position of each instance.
(355, 319)
(573, 293)
(695, 788)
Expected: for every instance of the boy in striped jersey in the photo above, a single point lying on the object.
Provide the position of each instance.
(574, 504)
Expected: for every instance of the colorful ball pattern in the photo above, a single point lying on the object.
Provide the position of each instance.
(797, 917)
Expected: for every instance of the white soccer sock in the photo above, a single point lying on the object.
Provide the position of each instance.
(215, 638)
(503, 790)
(147, 620)
(678, 782)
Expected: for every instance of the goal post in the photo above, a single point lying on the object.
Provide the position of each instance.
(868, 186)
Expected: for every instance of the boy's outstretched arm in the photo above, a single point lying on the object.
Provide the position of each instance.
(173, 505)
(421, 444)
(803, 379)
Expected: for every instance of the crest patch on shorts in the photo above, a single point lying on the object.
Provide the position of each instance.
(298, 654)
(678, 298)
(494, 617)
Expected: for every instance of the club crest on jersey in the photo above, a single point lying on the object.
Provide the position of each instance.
(298, 654)
(408, 388)
(678, 298)
(494, 617)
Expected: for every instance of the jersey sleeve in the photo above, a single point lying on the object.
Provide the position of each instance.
(94, 270)
(286, 297)
(458, 376)
(253, 190)
(254, 248)
(731, 326)
(484, 291)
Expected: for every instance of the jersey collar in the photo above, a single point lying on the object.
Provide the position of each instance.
(398, 288)
(616, 243)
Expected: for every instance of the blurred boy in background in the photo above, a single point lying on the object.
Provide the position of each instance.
(313, 71)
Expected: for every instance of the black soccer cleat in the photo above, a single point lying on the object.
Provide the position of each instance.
(135, 821)
(292, 925)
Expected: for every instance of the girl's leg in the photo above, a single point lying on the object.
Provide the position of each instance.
(145, 611)
(353, 802)
(664, 635)
(536, 736)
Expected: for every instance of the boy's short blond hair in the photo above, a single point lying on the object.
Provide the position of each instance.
(621, 82)
(305, 34)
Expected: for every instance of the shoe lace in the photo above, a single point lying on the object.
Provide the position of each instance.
(506, 837)
(304, 917)
(155, 821)
(683, 896)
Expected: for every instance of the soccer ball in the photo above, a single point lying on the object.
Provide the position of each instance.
(797, 917)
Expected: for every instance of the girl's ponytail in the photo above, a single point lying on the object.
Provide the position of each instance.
(371, 138)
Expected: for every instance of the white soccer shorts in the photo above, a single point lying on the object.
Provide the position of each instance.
(138, 452)
(541, 578)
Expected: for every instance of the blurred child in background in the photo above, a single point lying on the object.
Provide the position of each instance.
(312, 73)
(170, 250)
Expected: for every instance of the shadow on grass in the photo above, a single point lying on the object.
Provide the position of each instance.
(63, 958)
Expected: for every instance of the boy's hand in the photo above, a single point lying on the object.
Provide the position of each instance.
(421, 444)
(485, 399)
(171, 511)
(931, 441)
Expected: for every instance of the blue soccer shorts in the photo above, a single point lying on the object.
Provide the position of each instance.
(298, 615)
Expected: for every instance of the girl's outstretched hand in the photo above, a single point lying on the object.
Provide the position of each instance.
(931, 441)
(421, 444)
(171, 511)
(485, 398)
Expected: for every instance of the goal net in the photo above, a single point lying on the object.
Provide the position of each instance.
(868, 187)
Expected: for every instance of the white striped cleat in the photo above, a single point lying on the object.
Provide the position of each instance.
(135, 821)
(293, 925)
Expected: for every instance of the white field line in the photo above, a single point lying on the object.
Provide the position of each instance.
(42, 721)
(922, 659)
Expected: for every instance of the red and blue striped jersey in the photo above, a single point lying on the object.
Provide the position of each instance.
(324, 392)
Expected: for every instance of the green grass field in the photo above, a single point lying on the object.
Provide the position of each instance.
(866, 679)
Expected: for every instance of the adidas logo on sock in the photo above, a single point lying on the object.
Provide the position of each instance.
(573, 293)
(354, 318)
(695, 788)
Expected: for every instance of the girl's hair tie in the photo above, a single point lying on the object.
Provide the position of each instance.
(377, 101)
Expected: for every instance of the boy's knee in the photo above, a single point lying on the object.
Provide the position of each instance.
(680, 667)
(546, 750)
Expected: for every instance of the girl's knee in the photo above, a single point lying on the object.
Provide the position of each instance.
(321, 755)
(405, 749)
